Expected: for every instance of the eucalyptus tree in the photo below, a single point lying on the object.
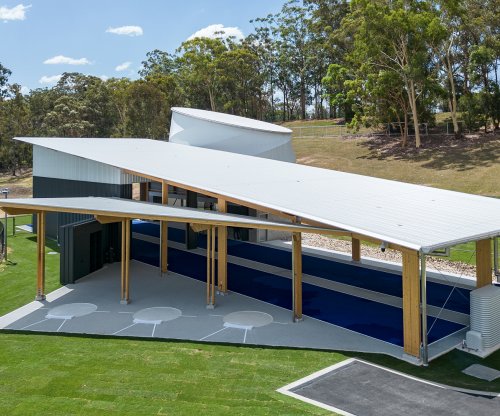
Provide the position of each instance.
(393, 36)
(5, 73)
(199, 70)
(147, 111)
(444, 32)
(241, 80)
(14, 121)
(329, 46)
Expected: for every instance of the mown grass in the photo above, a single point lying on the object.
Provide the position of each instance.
(18, 274)
(90, 376)
(473, 169)
(60, 374)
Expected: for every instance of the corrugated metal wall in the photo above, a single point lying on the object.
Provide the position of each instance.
(49, 163)
(61, 188)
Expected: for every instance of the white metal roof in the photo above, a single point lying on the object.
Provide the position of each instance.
(231, 120)
(417, 217)
(127, 208)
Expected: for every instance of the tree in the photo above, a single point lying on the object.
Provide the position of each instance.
(392, 36)
(14, 121)
(147, 111)
(158, 63)
(327, 46)
(199, 70)
(443, 32)
(4, 78)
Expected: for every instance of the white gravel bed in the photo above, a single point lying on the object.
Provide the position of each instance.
(437, 263)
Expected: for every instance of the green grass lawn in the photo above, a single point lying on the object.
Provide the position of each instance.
(75, 375)
(472, 168)
(61, 374)
(18, 275)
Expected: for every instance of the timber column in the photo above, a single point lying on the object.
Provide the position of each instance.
(297, 274)
(164, 231)
(412, 334)
(40, 244)
(222, 250)
(125, 269)
(483, 263)
(356, 249)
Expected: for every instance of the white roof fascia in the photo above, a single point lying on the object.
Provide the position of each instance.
(117, 207)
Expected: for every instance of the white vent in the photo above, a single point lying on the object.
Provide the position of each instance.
(484, 331)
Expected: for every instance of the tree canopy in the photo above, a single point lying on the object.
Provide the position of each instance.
(367, 62)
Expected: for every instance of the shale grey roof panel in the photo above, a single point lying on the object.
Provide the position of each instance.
(127, 208)
(414, 216)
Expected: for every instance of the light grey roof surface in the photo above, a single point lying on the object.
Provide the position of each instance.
(127, 208)
(231, 120)
(417, 217)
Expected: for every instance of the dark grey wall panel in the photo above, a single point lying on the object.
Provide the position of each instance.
(60, 188)
(85, 247)
(191, 236)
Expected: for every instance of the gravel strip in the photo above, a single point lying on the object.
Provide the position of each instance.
(437, 263)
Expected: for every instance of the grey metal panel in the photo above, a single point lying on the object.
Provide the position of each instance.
(56, 188)
(191, 236)
(82, 254)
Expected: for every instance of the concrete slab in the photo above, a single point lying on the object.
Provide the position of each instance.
(173, 306)
(354, 387)
(482, 372)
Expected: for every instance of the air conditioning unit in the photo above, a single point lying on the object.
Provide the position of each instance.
(484, 334)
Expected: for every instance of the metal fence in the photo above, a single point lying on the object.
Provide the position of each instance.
(389, 129)
(2, 240)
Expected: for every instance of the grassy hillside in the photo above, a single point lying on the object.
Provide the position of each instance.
(469, 165)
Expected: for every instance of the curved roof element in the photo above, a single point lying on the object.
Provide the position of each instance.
(230, 133)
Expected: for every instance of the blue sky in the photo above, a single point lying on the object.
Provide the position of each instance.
(107, 38)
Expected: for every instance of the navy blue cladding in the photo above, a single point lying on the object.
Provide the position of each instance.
(375, 319)
(378, 281)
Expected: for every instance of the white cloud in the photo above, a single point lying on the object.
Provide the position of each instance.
(61, 59)
(15, 13)
(25, 90)
(126, 30)
(214, 31)
(123, 67)
(104, 77)
(49, 79)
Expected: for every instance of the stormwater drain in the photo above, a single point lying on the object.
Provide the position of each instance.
(71, 310)
(156, 316)
(247, 319)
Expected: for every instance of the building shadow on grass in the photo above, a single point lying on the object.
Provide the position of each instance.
(49, 242)
(439, 152)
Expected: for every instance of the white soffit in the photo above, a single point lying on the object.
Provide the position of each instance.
(417, 217)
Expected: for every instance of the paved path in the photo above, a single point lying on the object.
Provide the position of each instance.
(362, 389)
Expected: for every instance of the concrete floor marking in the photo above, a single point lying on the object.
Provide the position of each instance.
(156, 315)
(247, 319)
(60, 326)
(30, 325)
(71, 310)
(123, 329)
(213, 333)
